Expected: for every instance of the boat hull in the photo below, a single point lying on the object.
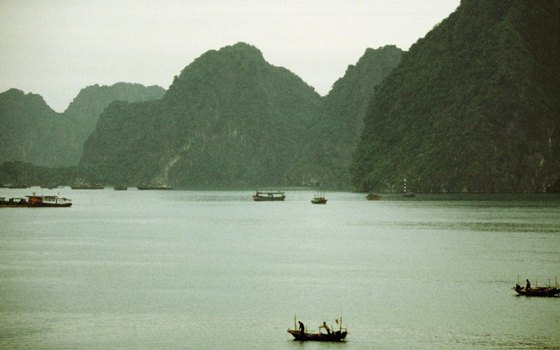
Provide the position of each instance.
(262, 196)
(538, 291)
(319, 200)
(337, 336)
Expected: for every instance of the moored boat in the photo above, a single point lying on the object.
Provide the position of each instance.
(319, 200)
(13, 202)
(120, 188)
(261, 196)
(373, 196)
(48, 201)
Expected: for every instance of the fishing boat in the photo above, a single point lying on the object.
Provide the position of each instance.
(319, 198)
(537, 291)
(48, 201)
(334, 336)
(373, 196)
(263, 196)
(120, 188)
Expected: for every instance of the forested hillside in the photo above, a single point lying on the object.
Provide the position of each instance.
(86, 108)
(30, 131)
(334, 135)
(474, 106)
(230, 118)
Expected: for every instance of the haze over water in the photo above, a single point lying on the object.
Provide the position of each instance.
(215, 270)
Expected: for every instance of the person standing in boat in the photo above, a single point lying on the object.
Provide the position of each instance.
(528, 284)
(301, 327)
(324, 325)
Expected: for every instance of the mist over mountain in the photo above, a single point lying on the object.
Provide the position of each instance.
(474, 106)
(230, 118)
(32, 132)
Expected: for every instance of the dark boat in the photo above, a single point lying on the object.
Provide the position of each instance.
(262, 196)
(332, 337)
(35, 202)
(335, 336)
(537, 291)
(319, 200)
(13, 202)
(120, 188)
(373, 196)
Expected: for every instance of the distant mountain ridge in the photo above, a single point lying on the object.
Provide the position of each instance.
(32, 132)
(474, 106)
(230, 118)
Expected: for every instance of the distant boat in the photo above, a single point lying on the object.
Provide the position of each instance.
(13, 202)
(154, 187)
(120, 188)
(319, 198)
(35, 201)
(262, 196)
(334, 336)
(373, 196)
(48, 201)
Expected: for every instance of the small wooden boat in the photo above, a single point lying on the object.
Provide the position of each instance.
(319, 200)
(334, 336)
(537, 291)
(373, 196)
(263, 196)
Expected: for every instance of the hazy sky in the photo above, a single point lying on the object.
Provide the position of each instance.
(57, 47)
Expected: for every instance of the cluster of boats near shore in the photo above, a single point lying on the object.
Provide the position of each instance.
(34, 201)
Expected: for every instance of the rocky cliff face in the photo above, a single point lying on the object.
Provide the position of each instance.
(472, 107)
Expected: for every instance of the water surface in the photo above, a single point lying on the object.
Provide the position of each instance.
(215, 270)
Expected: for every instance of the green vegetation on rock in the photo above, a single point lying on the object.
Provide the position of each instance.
(474, 106)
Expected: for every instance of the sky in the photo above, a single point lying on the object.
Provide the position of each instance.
(55, 48)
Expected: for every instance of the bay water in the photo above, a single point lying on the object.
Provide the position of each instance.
(215, 270)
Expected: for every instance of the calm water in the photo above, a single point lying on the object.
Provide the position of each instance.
(214, 270)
